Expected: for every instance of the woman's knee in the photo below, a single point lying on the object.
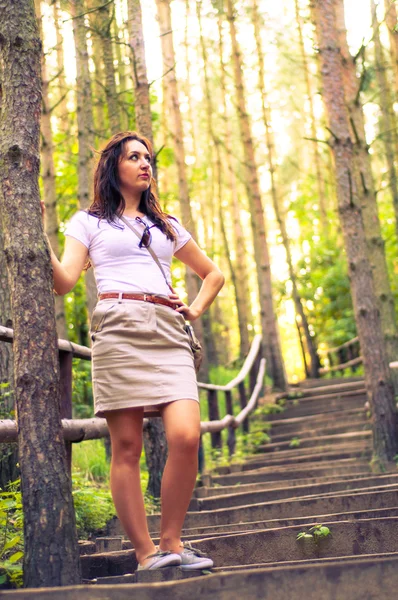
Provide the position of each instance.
(126, 450)
(186, 441)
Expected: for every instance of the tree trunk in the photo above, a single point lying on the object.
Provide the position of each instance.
(363, 166)
(387, 117)
(154, 435)
(101, 24)
(391, 22)
(214, 143)
(176, 131)
(122, 72)
(272, 348)
(143, 113)
(48, 176)
(85, 126)
(317, 158)
(62, 106)
(378, 381)
(243, 303)
(276, 198)
(51, 556)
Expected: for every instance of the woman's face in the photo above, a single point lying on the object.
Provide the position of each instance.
(135, 171)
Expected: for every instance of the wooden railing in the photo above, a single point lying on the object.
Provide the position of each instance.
(78, 430)
(349, 356)
(346, 356)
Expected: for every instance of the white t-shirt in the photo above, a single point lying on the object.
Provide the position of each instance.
(119, 264)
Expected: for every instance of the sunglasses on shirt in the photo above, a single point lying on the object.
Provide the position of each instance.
(146, 238)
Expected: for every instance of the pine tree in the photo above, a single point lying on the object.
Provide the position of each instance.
(51, 555)
(378, 381)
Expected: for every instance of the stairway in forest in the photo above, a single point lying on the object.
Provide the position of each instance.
(247, 517)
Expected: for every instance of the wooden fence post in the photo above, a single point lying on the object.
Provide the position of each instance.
(243, 402)
(231, 431)
(214, 415)
(65, 363)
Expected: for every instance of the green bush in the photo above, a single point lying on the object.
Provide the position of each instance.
(11, 536)
(93, 506)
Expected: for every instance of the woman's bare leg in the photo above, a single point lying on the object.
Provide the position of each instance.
(125, 427)
(182, 426)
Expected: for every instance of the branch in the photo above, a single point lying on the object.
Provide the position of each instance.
(50, 110)
(310, 139)
(164, 75)
(91, 10)
(333, 134)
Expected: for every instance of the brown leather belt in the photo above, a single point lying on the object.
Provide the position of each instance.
(143, 297)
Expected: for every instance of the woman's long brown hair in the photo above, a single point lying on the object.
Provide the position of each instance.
(108, 201)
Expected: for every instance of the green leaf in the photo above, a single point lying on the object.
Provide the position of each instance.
(3, 579)
(15, 557)
(11, 543)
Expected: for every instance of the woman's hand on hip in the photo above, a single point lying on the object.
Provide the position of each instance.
(189, 313)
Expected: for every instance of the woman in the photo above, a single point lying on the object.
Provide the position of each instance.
(141, 355)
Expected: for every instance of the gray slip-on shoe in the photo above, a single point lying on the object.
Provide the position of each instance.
(161, 559)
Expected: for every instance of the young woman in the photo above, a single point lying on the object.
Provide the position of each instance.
(141, 356)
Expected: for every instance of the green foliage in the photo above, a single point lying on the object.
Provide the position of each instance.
(89, 461)
(325, 289)
(295, 442)
(93, 505)
(5, 401)
(316, 533)
(82, 392)
(11, 536)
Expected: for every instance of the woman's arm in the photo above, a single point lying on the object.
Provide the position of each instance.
(213, 279)
(67, 271)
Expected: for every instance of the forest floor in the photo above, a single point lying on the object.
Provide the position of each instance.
(303, 517)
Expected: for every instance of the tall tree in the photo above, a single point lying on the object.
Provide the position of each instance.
(143, 114)
(102, 16)
(363, 166)
(177, 133)
(48, 174)
(239, 268)
(391, 21)
(51, 555)
(85, 125)
(276, 195)
(378, 381)
(388, 125)
(272, 347)
(63, 90)
(154, 435)
(316, 154)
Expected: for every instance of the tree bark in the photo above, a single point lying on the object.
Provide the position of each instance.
(363, 166)
(48, 176)
(51, 555)
(85, 126)
(101, 25)
(391, 22)
(378, 381)
(272, 347)
(143, 113)
(154, 435)
(176, 131)
(387, 120)
(317, 158)
(301, 318)
(62, 108)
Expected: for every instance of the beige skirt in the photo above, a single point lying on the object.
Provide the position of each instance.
(140, 356)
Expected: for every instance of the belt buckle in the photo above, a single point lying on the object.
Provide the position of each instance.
(145, 297)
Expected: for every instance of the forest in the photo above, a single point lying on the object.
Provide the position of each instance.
(275, 135)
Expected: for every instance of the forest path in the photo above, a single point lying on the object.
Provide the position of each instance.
(315, 471)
